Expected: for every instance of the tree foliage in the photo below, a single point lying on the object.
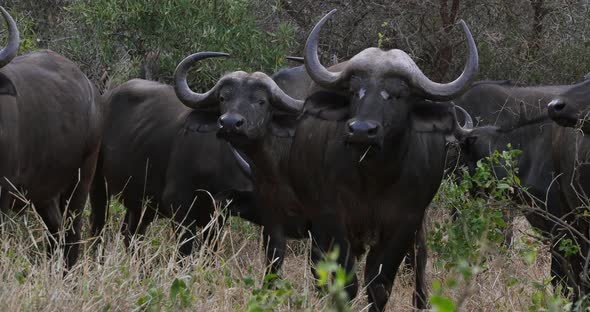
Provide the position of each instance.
(526, 41)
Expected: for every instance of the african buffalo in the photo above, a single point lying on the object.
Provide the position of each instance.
(515, 115)
(571, 156)
(157, 156)
(367, 180)
(51, 124)
(375, 147)
(264, 138)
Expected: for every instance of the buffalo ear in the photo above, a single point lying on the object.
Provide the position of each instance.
(327, 106)
(6, 86)
(283, 125)
(432, 117)
(201, 121)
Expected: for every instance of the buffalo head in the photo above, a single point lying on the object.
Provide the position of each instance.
(245, 101)
(385, 91)
(572, 107)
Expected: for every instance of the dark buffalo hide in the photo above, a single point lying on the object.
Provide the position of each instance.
(50, 129)
(160, 155)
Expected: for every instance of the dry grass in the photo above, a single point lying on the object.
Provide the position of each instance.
(216, 281)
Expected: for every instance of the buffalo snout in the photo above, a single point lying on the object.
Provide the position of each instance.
(364, 132)
(556, 105)
(559, 111)
(231, 122)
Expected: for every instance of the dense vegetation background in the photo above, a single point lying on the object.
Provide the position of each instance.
(471, 265)
(527, 41)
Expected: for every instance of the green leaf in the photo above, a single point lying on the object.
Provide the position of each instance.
(442, 304)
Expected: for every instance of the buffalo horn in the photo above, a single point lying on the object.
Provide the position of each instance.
(11, 49)
(184, 93)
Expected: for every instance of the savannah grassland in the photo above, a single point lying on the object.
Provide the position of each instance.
(527, 41)
(231, 278)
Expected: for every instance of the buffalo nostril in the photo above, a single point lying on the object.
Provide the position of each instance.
(557, 105)
(373, 130)
(351, 127)
(239, 122)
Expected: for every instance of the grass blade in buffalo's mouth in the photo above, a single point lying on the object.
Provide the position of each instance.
(365, 153)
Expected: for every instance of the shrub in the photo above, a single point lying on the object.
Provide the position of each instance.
(149, 38)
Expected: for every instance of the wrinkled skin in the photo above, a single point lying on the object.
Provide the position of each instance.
(499, 108)
(156, 153)
(51, 123)
(571, 154)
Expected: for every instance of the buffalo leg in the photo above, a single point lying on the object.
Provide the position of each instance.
(99, 208)
(73, 202)
(179, 198)
(419, 258)
(187, 235)
(209, 220)
(191, 212)
(99, 201)
(326, 235)
(137, 222)
(275, 245)
(382, 264)
(52, 217)
(186, 218)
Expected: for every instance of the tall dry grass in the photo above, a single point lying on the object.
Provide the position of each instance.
(110, 278)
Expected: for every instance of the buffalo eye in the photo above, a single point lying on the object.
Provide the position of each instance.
(358, 93)
(221, 99)
(261, 102)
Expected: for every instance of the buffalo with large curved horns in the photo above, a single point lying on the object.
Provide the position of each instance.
(257, 117)
(369, 154)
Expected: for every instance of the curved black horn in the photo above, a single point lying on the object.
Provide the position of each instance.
(11, 49)
(468, 124)
(183, 91)
(467, 128)
(315, 69)
(280, 99)
(447, 91)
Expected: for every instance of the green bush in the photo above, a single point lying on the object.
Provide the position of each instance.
(467, 245)
(159, 34)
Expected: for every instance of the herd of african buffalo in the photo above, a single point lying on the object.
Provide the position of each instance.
(350, 155)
